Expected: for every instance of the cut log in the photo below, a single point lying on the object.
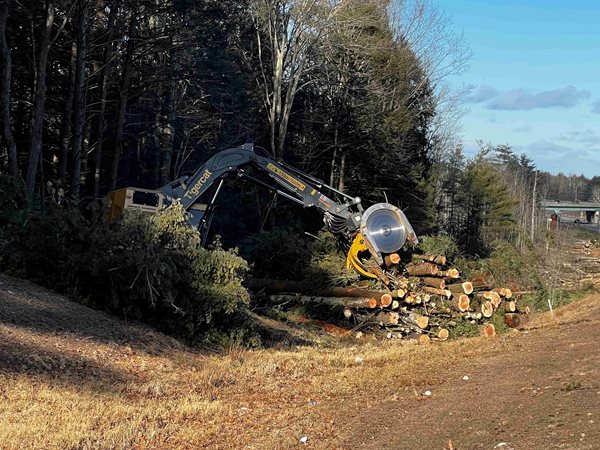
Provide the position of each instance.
(398, 293)
(495, 302)
(392, 259)
(438, 283)
(349, 302)
(512, 320)
(442, 334)
(482, 281)
(443, 292)
(450, 273)
(381, 275)
(488, 330)
(423, 269)
(395, 304)
(460, 288)
(282, 286)
(385, 300)
(436, 259)
(487, 309)
(503, 292)
(492, 296)
(372, 303)
(402, 282)
(416, 319)
(387, 318)
(421, 338)
(348, 312)
(461, 302)
(500, 291)
(411, 299)
(510, 306)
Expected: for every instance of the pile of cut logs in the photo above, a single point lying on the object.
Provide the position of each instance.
(422, 300)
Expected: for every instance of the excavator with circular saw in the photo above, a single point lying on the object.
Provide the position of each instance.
(369, 235)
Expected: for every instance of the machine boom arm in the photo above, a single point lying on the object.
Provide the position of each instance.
(298, 186)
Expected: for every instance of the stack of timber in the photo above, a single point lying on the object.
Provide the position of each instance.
(423, 300)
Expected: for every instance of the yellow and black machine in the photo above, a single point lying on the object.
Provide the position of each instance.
(370, 234)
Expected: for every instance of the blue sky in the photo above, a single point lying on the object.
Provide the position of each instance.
(536, 78)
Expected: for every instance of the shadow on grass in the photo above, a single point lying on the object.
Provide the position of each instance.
(30, 354)
(26, 305)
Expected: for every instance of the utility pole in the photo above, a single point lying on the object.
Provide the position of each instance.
(533, 201)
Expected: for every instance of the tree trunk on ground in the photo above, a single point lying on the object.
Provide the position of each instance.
(416, 319)
(388, 318)
(460, 288)
(434, 282)
(385, 300)
(6, 64)
(423, 269)
(461, 302)
(392, 259)
(39, 98)
(436, 259)
(349, 302)
(443, 292)
(487, 309)
(274, 286)
(450, 273)
(488, 330)
(441, 333)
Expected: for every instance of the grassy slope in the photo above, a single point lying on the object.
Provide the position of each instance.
(71, 377)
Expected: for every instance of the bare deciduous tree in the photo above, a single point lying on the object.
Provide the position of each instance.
(291, 28)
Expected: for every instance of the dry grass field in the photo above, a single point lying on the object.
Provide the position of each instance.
(71, 377)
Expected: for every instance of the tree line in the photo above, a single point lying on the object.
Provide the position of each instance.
(99, 94)
(562, 187)
(102, 94)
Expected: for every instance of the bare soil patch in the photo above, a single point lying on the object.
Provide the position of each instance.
(538, 389)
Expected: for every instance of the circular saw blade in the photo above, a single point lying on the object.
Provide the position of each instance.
(386, 230)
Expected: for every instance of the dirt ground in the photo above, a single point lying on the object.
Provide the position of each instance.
(540, 392)
(71, 377)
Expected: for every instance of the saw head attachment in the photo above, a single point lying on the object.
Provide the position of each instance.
(384, 229)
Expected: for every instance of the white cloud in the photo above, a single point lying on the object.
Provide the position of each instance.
(587, 137)
(483, 93)
(556, 158)
(524, 99)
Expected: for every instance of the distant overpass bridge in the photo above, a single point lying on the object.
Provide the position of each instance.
(590, 209)
(557, 207)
